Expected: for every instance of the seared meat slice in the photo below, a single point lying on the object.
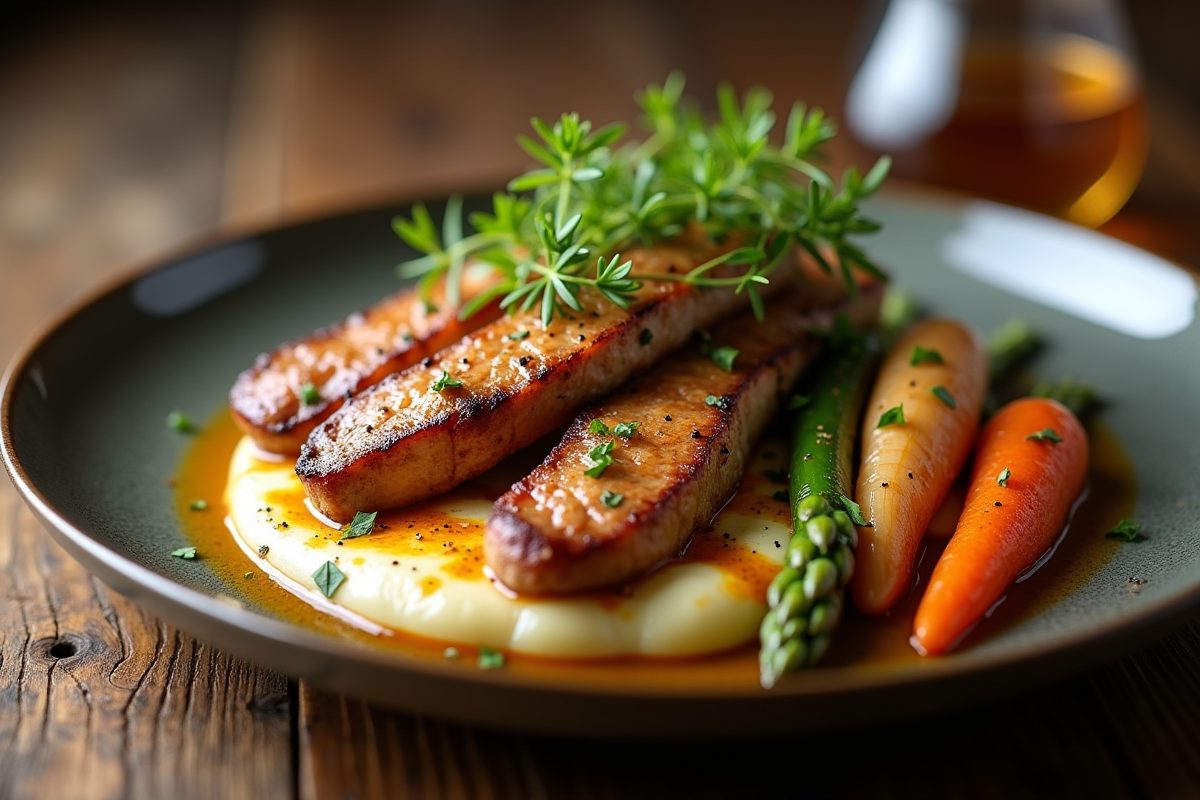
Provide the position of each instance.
(697, 424)
(268, 400)
(422, 431)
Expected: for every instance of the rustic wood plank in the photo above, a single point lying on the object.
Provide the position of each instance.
(1050, 744)
(424, 98)
(102, 700)
(1152, 702)
(264, 93)
(114, 153)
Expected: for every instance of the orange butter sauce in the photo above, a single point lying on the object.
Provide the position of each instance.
(876, 642)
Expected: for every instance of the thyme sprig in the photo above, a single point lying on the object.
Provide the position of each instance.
(561, 227)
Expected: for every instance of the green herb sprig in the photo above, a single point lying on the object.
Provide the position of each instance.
(561, 227)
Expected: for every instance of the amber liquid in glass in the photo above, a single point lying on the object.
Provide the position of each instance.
(1060, 129)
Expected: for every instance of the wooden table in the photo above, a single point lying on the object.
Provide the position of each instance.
(126, 132)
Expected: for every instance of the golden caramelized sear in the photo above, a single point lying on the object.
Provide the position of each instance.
(420, 432)
(269, 400)
(561, 529)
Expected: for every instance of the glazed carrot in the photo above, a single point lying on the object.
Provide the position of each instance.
(1030, 465)
(920, 423)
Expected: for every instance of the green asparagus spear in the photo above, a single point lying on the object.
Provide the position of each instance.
(806, 596)
(1080, 398)
(1010, 346)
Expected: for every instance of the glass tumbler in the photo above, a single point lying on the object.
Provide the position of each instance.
(1033, 102)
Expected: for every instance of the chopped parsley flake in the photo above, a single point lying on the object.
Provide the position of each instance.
(853, 509)
(445, 382)
(622, 429)
(1002, 478)
(186, 553)
(1045, 435)
(361, 525)
(309, 395)
(922, 356)
(723, 357)
(611, 499)
(517, 336)
(1126, 529)
(718, 402)
(943, 394)
(893, 416)
(198, 505)
(601, 456)
(328, 578)
(178, 421)
(625, 429)
(490, 659)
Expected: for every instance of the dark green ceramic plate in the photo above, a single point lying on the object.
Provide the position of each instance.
(85, 442)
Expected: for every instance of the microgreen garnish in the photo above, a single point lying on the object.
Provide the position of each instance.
(943, 394)
(611, 499)
(490, 659)
(717, 402)
(361, 525)
(309, 395)
(445, 382)
(186, 553)
(1002, 478)
(1126, 529)
(625, 429)
(797, 402)
(922, 356)
(178, 421)
(1045, 435)
(328, 578)
(893, 416)
(198, 505)
(853, 509)
(517, 336)
(560, 228)
(723, 357)
(601, 456)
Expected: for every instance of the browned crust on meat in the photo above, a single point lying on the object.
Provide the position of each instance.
(400, 441)
(341, 360)
(552, 533)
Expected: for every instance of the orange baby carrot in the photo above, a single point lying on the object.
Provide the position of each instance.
(920, 422)
(1030, 465)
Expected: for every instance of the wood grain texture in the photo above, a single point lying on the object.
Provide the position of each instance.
(1045, 745)
(114, 152)
(101, 700)
(1151, 701)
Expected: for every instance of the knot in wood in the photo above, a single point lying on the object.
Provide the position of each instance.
(64, 646)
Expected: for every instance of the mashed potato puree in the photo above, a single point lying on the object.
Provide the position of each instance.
(422, 569)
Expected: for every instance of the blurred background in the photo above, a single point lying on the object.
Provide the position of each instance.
(127, 129)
